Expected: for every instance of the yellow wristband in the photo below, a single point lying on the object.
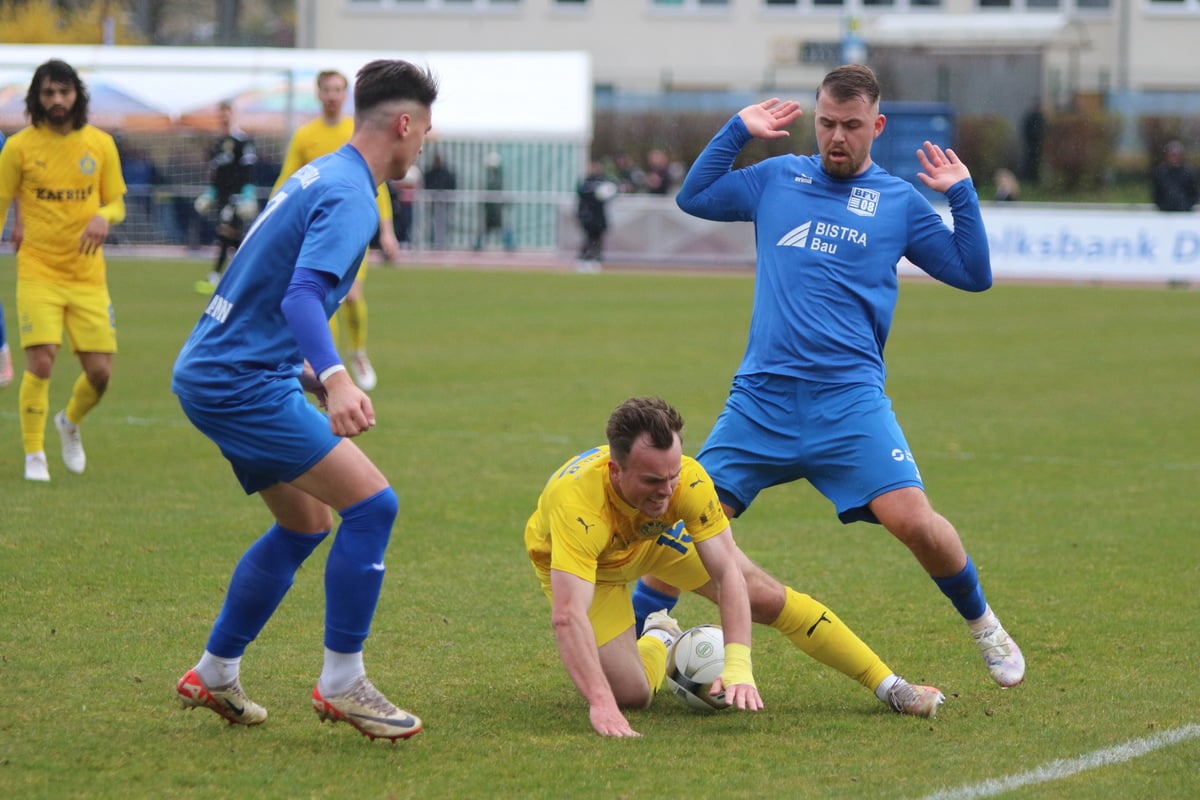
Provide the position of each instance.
(737, 665)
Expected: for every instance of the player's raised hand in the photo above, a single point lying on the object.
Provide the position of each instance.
(941, 168)
(770, 119)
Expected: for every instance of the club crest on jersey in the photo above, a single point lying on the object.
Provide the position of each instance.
(863, 202)
(87, 165)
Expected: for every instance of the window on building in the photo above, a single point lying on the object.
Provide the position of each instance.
(1051, 5)
(1176, 6)
(865, 5)
(430, 5)
(690, 4)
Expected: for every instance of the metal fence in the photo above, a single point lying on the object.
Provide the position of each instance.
(166, 173)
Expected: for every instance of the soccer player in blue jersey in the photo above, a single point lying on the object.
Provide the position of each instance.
(241, 376)
(808, 400)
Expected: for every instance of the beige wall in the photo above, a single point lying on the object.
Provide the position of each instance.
(747, 46)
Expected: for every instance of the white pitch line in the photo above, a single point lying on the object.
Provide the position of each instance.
(1066, 767)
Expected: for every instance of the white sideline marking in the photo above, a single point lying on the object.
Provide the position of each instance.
(1066, 767)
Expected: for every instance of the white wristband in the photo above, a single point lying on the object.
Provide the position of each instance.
(327, 372)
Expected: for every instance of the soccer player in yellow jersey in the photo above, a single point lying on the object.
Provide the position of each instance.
(312, 140)
(66, 177)
(640, 507)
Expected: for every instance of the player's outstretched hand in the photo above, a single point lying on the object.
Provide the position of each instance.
(942, 169)
(611, 722)
(770, 119)
(744, 696)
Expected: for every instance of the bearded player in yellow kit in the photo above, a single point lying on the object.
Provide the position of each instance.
(66, 177)
(312, 140)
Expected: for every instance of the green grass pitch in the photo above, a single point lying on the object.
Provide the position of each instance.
(1056, 426)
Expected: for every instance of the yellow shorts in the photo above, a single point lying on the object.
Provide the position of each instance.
(362, 268)
(86, 312)
(611, 613)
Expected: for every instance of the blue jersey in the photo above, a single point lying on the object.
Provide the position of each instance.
(827, 253)
(322, 219)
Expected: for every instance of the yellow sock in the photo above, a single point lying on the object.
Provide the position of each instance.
(819, 632)
(356, 322)
(34, 398)
(654, 660)
(84, 398)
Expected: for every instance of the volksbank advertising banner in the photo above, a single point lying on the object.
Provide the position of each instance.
(1086, 243)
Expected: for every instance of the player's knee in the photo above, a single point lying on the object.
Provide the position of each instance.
(634, 697)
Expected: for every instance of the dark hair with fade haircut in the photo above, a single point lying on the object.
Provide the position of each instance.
(385, 80)
(637, 415)
(58, 72)
(850, 81)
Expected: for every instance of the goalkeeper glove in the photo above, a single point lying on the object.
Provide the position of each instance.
(204, 202)
(247, 204)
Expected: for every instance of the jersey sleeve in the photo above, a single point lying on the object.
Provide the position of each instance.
(713, 190)
(698, 504)
(579, 536)
(112, 182)
(958, 257)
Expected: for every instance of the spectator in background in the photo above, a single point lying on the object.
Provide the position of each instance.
(231, 190)
(625, 174)
(140, 177)
(1033, 130)
(594, 191)
(1175, 184)
(179, 218)
(440, 178)
(1007, 187)
(493, 209)
(404, 201)
(658, 178)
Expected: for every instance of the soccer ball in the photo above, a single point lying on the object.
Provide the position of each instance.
(693, 663)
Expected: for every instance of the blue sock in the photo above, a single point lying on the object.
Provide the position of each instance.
(260, 580)
(964, 591)
(646, 601)
(354, 571)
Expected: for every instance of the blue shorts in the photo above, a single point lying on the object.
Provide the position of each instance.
(844, 439)
(273, 436)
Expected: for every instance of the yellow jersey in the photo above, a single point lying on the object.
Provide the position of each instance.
(60, 183)
(317, 138)
(584, 528)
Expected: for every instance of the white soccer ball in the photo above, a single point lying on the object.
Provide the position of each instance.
(693, 663)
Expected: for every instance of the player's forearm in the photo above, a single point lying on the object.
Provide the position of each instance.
(577, 648)
(734, 601)
(714, 162)
(974, 272)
